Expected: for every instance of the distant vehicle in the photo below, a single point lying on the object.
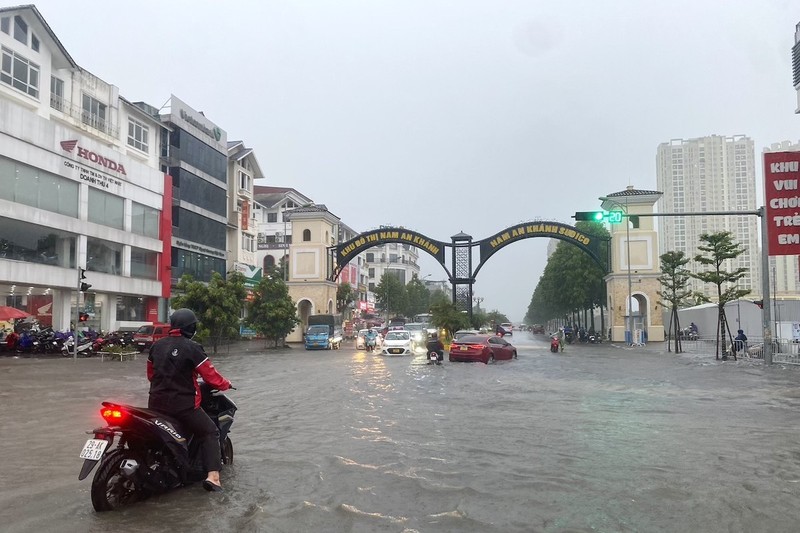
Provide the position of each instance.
(146, 335)
(323, 333)
(397, 342)
(463, 333)
(419, 333)
(508, 327)
(481, 348)
(537, 329)
(361, 342)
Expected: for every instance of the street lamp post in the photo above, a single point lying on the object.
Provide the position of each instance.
(478, 300)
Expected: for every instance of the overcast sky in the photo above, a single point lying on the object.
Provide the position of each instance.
(448, 116)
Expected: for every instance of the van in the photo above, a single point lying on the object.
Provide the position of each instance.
(146, 335)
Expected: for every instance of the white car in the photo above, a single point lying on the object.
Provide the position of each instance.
(397, 342)
(419, 332)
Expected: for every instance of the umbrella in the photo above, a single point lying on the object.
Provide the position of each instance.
(10, 313)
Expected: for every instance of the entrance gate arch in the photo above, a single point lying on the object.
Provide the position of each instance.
(460, 272)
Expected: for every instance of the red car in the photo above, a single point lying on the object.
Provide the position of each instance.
(482, 348)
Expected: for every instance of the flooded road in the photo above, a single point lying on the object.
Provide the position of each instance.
(598, 438)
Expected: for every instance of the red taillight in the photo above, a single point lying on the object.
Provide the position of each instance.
(112, 415)
(478, 347)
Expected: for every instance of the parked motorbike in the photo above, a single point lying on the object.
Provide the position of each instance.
(594, 339)
(84, 347)
(152, 455)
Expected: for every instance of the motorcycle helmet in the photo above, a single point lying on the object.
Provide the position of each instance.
(184, 320)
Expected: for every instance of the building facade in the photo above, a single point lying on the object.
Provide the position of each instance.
(714, 173)
(274, 232)
(80, 188)
(243, 169)
(399, 260)
(796, 64)
(194, 152)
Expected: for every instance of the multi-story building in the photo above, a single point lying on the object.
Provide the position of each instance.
(796, 64)
(243, 169)
(399, 260)
(714, 173)
(80, 187)
(274, 232)
(194, 152)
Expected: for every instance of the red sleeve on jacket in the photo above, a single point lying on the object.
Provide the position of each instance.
(149, 370)
(211, 376)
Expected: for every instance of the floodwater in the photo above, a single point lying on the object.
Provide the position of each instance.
(596, 439)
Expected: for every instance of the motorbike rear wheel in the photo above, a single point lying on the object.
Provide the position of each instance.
(110, 488)
(227, 452)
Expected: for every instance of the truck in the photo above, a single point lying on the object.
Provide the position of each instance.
(323, 333)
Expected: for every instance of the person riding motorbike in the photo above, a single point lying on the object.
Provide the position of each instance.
(173, 366)
(435, 345)
(370, 339)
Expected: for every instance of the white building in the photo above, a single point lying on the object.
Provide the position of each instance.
(80, 187)
(243, 169)
(274, 232)
(400, 260)
(713, 173)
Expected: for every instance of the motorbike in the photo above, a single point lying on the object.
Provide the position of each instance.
(594, 338)
(84, 347)
(433, 358)
(554, 344)
(370, 344)
(152, 455)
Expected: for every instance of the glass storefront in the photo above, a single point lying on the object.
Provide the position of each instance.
(31, 186)
(131, 308)
(103, 256)
(199, 266)
(21, 241)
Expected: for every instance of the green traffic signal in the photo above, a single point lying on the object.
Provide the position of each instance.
(595, 216)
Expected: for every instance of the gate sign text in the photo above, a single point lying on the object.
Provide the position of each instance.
(782, 196)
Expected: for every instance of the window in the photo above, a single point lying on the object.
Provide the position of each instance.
(31, 186)
(370, 257)
(130, 308)
(105, 208)
(34, 43)
(56, 93)
(272, 217)
(104, 256)
(19, 73)
(138, 135)
(144, 263)
(5, 25)
(306, 235)
(248, 242)
(269, 262)
(244, 181)
(20, 30)
(372, 272)
(145, 220)
(94, 113)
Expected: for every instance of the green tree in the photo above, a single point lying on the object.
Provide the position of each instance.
(418, 297)
(675, 293)
(446, 315)
(218, 305)
(271, 312)
(717, 249)
(345, 295)
(438, 296)
(495, 317)
(479, 318)
(391, 294)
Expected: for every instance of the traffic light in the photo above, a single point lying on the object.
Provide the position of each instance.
(596, 216)
(612, 217)
(84, 286)
(83, 317)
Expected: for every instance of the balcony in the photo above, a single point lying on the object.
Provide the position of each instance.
(79, 114)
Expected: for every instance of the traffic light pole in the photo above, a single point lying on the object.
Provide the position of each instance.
(766, 307)
(77, 316)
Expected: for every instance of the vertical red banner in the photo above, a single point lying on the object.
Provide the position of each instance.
(782, 197)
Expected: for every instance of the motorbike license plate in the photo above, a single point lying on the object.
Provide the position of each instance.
(93, 449)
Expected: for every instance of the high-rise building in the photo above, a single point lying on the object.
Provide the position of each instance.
(714, 173)
(796, 64)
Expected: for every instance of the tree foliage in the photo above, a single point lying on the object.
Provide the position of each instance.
(271, 312)
(717, 249)
(345, 296)
(391, 294)
(675, 293)
(446, 315)
(495, 317)
(218, 305)
(418, 297)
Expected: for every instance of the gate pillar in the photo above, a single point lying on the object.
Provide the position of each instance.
(463, 278)
(635, 269)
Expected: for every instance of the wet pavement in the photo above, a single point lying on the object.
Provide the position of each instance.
(599, 438)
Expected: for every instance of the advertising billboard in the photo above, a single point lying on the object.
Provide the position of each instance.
(782, 197)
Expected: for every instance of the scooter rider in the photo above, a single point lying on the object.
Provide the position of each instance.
(435, 345)
(173, 365)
